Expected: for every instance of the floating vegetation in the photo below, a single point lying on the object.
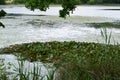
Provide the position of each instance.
(53, 50)
(73, 60)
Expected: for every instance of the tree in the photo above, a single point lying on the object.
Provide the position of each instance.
(2, 2)
(2, 14)
(67, 5)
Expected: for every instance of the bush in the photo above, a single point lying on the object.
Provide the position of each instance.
(2, 2)
(2, 13)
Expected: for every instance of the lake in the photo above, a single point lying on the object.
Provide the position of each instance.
(23, 26)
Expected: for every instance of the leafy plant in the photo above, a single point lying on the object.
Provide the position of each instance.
(43, 5)
(51, 75)
(74, 60)
(3, 72)
(28, 72)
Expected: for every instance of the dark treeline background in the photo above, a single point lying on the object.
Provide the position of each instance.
(77, 1)
(90, 1)
(2, 1)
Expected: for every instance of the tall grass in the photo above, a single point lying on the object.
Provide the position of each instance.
(3, 74)
(24, 71)
(106, 36)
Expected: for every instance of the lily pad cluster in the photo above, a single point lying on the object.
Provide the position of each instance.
(51, 51)
(74, 60)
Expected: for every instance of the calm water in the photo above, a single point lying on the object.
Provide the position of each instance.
(94, 11)
(25, 28)
(31, 28)
(12, 65)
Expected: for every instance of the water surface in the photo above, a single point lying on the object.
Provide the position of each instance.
(23, 25)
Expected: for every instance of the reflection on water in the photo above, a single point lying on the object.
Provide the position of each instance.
(105, 25)
(112, 9)
(94, 11)
(13, 66)
(22, 28)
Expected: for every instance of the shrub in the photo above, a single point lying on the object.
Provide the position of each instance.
(2, 2)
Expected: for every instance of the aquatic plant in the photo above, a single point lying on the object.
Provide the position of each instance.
(106, 36)
(2, 70)
(26, 71)
(4, 74)
(74, 60)
(22, 71)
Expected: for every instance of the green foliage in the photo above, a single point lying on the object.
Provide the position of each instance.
(51, 75)
(2, 13)
(23, 71)
(84, 1)
(2, 70)
(2, 2)
(27, 73)
(4, 74)
(68, 6)
(19, 1)
(91, 2)
(77, 1)
(74, 60)
(43, 5)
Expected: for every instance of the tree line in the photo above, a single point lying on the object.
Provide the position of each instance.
(77, 1)
(90, 1)
(82, 1)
